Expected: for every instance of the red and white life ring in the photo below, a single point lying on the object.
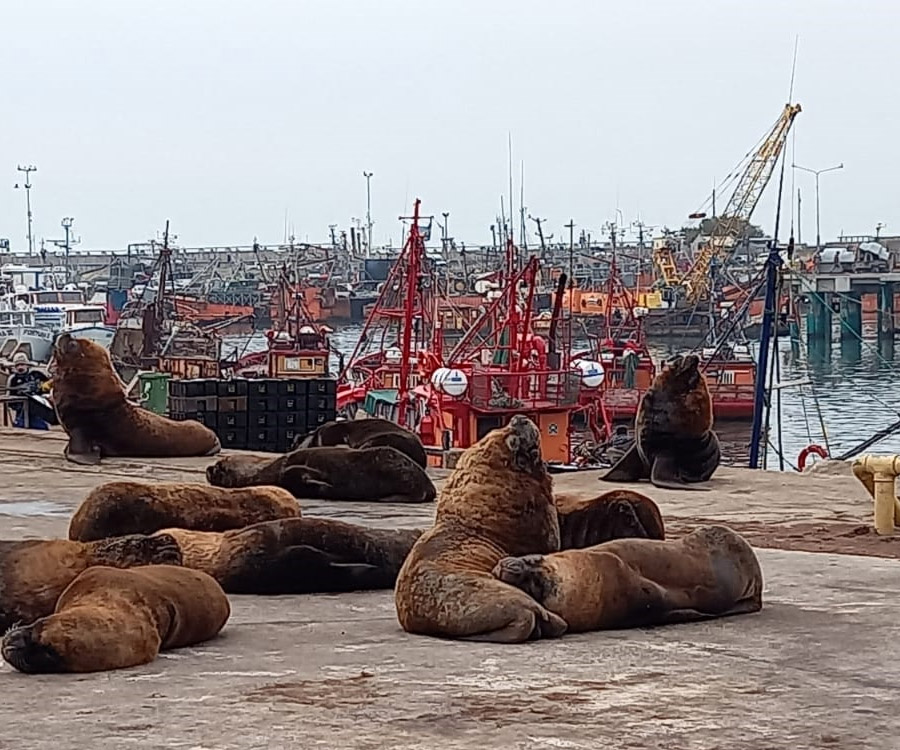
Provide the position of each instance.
(805, 453)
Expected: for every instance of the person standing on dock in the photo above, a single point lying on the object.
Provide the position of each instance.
(26, 381)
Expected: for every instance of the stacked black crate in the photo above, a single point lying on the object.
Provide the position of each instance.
(232, 418)
(262, 415)
(292, 395)
(321, 403)
(194, 399)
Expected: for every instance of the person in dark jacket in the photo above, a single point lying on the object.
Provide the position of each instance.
(25, 381)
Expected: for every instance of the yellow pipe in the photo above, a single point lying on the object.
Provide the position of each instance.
(877, 473)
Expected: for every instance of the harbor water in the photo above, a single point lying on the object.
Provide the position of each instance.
(843, 400)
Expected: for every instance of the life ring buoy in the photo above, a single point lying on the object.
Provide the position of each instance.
(805, 453)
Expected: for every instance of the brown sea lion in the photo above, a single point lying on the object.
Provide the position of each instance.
(118, 508)
(365, 433)
(110, 618)
(34, 573)
(91, 405)
(711, 572)
(674, 443)
(616, 514)
(298, 556)
(497, 502)
(379, 474)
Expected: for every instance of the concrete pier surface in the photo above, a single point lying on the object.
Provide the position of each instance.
(815, 669)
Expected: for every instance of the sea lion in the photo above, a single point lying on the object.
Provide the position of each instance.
(34, 573)
(110, 618)
(711, 572)
(616, 514)
(497, 502)
(379, 474)
(118, 508)
(365, 433)
(298, 556)
(674, 442)
(92, 408)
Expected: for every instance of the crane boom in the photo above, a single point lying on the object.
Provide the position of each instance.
(740, 206)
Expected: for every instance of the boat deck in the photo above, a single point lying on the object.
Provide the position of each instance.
(815, 669)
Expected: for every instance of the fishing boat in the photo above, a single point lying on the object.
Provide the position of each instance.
(19, 333)
(296, 347)
(498, 369)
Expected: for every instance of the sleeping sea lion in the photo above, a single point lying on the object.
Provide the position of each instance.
(365, 433)
(674, 442)
(118, 508)
(616, 514)
(110, 618)
(711, 572)
(92, 408)
(297, 556)
(497, 502)
(379, 474)
(34, 573)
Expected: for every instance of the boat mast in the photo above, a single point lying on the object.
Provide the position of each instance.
(415, 251)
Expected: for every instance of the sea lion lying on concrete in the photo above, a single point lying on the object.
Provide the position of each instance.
(110, 618)
(497, 502)
(379, 474)
(711, 572)
(118, 508)
(91, 405)
(298, 556)
(34, 573)
(616, 514)
(365, 433)
(674, 442)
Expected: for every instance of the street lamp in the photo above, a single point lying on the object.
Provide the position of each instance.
(368, 176)
(28, 170)
(817, 172)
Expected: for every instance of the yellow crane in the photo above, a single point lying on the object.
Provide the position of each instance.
(740, 206)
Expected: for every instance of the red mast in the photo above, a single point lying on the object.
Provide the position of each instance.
(415, 250)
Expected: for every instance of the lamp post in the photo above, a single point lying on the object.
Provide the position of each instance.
(28, 170)
(368, 176)
(817, 172)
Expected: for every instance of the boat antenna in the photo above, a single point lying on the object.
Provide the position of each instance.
(512, 233)
(524, 240)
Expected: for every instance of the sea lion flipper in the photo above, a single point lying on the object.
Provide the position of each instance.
(665, 474)
(306, 554)
(305, 475)
(629, 468)
(80, 450)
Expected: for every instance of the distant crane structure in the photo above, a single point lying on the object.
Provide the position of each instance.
(736, 215)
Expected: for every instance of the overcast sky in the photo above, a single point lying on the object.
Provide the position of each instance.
(225, 116)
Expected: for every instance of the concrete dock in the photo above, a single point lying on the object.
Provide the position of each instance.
(815, 669)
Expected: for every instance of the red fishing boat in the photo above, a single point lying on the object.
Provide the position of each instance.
(498, 369)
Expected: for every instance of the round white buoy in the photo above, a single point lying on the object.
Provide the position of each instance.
(592, 372)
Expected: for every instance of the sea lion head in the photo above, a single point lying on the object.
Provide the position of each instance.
(234, 471)
(69, 351)
(525, 573)
(516, 446)
(137, 549)
(681, 373)
(25, 648)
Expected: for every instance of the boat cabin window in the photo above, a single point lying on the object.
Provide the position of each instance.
(51, 297)
(87, 316)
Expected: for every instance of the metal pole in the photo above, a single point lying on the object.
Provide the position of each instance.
(818, 230)
(773, 262)
(368, 176)
(817, 172)
(571, 227)
(28, 170)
